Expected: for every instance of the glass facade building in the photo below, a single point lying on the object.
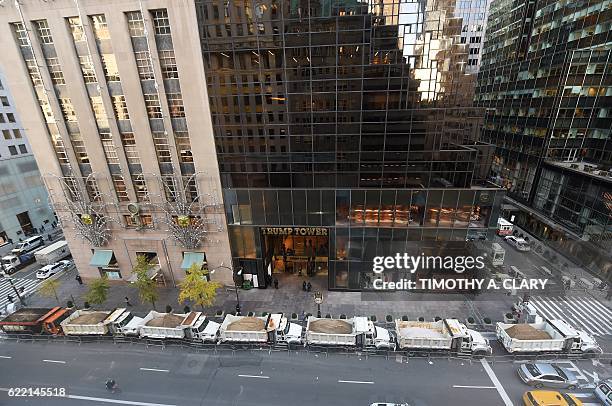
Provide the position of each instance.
(344, 130)
(545, 80)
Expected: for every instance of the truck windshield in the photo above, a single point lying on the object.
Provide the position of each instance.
(20, 246)
(125, 321)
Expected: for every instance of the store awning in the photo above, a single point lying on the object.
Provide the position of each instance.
(190, 258)
(101, 258)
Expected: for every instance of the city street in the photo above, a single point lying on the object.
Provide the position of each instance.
(176, 377)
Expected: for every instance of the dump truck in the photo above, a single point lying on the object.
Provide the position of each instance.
(119, 321)
(13, 263)
(265, 329)
(52, 253)
(34, 320)
(545, 336)
(446, 334)
(190, 325)
(354, 332)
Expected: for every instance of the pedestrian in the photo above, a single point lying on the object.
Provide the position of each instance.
(127, 301)
(304, 286)
(275, 283)
(308, 287)
(79, 279)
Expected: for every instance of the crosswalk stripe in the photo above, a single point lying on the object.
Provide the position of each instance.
(599, 307)
(587, 318)
(29, 285)
(552, 313)
(574, 319)
(592, 315)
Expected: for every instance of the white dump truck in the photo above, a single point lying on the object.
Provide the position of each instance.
(91, 322)
(190, 325)
(446, 334)
(357, 331)
(545, 336)
(265, 329)
(52, 253)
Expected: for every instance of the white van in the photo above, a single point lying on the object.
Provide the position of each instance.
(603, 392)
(28, 245)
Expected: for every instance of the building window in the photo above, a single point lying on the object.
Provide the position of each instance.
(183, 146)
(76, 28)
(12, 150)
(135, 24)
(120, 106)
(146, 220)
(129, 146)
(34, 72)
(17, 133)
(79, 148)
(160, 140)
(55, 71)
(6, 133)
(161, 22)
(120, 188)
(175, 104)
(143, 63)
(89, 74)
(153, 105)
(110, 151)
(68, 110)
(10, 117)
(98, 108)
(21, 34)
(100, 27)
(5, 101)
(23, 149)
(168, 64)
(111, 72)
(140, 187)
(44, 33)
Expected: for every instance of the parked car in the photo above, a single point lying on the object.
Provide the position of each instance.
(603, 392)
(549, 398)
(28, 245)
(539, 375)
(48, 270)
(518, 243)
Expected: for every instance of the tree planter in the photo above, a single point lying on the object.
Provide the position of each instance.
(509, 318)
(470, 321)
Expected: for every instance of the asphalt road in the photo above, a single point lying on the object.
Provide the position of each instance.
(157, 377)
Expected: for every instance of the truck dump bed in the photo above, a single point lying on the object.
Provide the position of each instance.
(533, 337)
(86, 322)
(27, 320)
(330, 331)
(163, 325)
(248, 329)
(422, 334)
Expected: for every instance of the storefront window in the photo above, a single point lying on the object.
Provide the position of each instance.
(432, 213)
(342, 207)
(357, 207)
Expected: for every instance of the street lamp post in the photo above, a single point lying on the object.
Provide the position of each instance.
(234, 274)
(318, 298)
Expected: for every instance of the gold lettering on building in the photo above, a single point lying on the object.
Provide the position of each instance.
(302, 231)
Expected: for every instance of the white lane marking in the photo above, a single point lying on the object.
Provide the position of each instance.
(155, 370)
(498, 385)
(254, 376)
(362, 382)
(5, 357)
(106, 400)
(57, 362)
(474, 387)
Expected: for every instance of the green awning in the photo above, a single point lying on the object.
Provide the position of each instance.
(190, 258)
(101, 258)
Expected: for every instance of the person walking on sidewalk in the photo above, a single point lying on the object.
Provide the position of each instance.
(275, 283)
(127, 301)
(79, 279)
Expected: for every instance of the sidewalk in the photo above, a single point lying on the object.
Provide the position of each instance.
(290, 298)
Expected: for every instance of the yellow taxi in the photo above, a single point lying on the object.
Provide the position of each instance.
(549, 398)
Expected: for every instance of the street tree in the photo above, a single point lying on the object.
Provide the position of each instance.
(196, 289)
(147, 287)
(98, 291)
(49, 289)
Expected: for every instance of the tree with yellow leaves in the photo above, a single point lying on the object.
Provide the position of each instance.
(196, 289)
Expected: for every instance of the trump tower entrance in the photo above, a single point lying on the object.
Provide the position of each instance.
(300, 251)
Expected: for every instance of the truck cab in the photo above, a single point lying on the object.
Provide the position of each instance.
(290, 333)
(9, 264)
(466, 340)
(373, 336)
(124, 322)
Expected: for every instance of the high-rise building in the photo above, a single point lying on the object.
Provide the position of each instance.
(344, 130)
(546, 82)
(474, 24)
(24, 204)
(114, 101)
